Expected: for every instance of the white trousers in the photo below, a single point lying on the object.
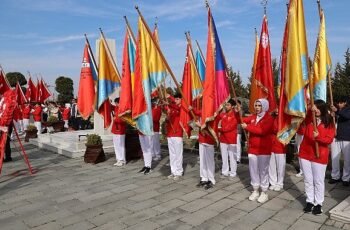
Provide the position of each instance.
(119, 147)
(277, 169)
(206, 162)
(66, 124)
(259, 171)
(338, 147)
(147, 149)
(20, 126)
(314, 175)
(156, 145)
(25, 124)
(175, 145)
(239, 147)
(229, 159)
(38, 126)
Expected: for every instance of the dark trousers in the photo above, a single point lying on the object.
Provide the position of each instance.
(8, 141)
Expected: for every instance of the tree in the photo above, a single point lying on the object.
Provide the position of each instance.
(64, 87)
(13, 77)
(341, 80)
(275, 72)
(240, 89)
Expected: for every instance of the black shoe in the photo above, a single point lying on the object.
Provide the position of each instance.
(201, 184)
(308, 208)
(317, 210)
(209, 185)
(7, 159)
(333, 181)
(142, 170)
(147, 171)
(345, 183)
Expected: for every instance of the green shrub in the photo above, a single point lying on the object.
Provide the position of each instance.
(31, 127)
(52, 119)
(93, 139)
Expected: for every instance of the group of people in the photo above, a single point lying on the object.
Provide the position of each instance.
(266, 154)
(39, 113)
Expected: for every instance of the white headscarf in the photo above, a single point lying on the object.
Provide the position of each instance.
(264, 108)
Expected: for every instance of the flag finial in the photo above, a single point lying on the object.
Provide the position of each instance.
(264, 4)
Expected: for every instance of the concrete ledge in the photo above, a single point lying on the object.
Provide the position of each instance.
(68, 143)
(341, 212)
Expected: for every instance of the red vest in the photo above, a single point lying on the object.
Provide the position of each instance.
(118, 126)
(260, 134)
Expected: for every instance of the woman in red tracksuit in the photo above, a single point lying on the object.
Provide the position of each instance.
(314, 168)
(259, 126)
(278, 159)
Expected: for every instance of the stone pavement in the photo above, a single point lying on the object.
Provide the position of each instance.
(69, 194)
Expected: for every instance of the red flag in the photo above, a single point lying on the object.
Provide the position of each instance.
(187, 93)
(4, 85)
(105, 110)
(31, 91)
(44, 92)
(21, 99)
(216, 87)
(263, 74)
(86, 93)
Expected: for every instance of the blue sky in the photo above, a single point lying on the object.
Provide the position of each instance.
(47, 36)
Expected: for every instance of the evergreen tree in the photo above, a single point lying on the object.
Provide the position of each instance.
(240, 89)
(341, 80)
(14, 77)
(64, 87)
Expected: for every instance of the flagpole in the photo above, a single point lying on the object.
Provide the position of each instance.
(165, 62)
(93, 58)
(200, 50)
(129, 29)
(109, 53)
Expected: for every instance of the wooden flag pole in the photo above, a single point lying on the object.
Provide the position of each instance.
(165, 62)
(188, 38)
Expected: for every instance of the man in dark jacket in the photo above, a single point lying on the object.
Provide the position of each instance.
(341, 142)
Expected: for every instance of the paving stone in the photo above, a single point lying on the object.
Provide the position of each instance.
(176, 225)
(346, 226)
(229, 216)
(217, 195)
(144, 196)
(84, 225)
(196, 205)
(222, 205)
(210, 225)
(240, 195)
(115, 225)
(290, 194)
(326, 227)
(166, 206)
(193, 195)
(247, 205)
(138, 217)
(51, 226)
(259, 215)
(145, 225)
(198, 217)
(305, 224)
(276, 204)
(142, 205)
(288, 215)
(273, 225)
(317, 219)
(169, 216)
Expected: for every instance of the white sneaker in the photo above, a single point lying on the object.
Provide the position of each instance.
(171, 176)
(277, 188)
(254, 195)
(119, 163)
(299, 174)
(272, 187)
(263, 197)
